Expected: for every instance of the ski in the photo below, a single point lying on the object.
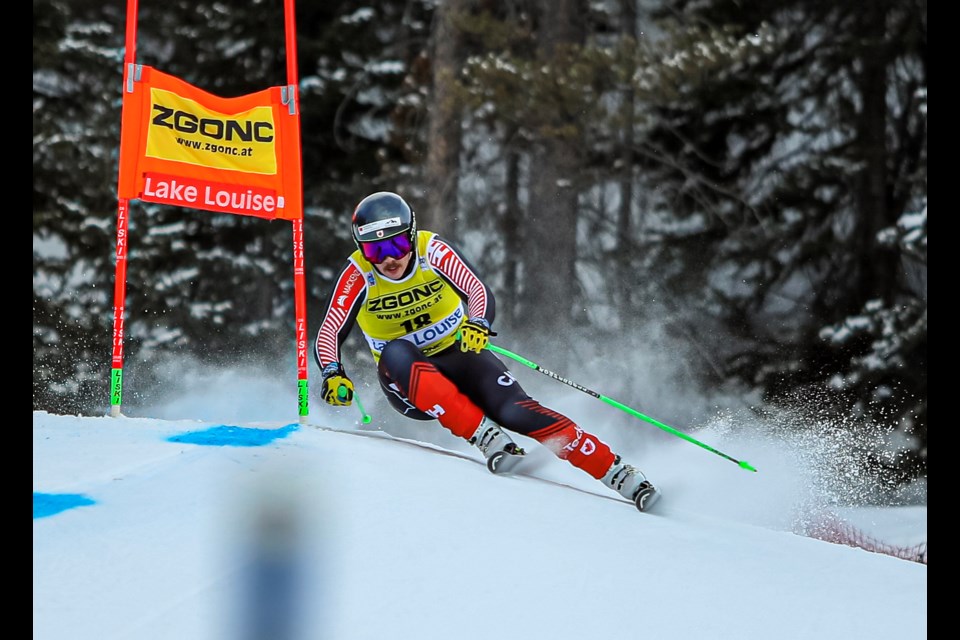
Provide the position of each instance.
(502, 463)
(505, 461)
(646, 497)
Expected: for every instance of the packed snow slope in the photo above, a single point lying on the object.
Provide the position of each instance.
(151, 529)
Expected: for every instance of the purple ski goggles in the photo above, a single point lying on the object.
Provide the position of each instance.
(394, 247)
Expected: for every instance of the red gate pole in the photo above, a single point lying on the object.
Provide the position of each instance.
(299, 278)
(123, 213)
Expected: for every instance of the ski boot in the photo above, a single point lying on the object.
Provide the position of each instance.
(629, 482)
(501, 452)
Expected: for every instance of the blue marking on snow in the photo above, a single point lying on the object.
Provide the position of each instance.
(225, 435)
(48, 504)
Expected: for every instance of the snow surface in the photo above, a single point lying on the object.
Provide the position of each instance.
(160, 528)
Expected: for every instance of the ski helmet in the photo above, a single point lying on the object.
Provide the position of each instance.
(383, 215)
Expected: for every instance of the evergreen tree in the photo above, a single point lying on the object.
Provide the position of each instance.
(797, 159)
(76, 125)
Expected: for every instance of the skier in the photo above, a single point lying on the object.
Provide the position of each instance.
(427, 317)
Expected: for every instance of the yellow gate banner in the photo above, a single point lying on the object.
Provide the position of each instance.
(183, 146)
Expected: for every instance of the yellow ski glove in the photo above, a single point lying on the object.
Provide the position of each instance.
(337, 388)
(475, 334)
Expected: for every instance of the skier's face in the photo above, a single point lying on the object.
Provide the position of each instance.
(394, 268)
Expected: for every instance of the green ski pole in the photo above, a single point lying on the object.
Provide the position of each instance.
(533, 365)
(342, 392)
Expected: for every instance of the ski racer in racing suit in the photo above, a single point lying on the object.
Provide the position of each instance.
(427, 317)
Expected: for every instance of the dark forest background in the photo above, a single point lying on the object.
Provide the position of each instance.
(740, 184)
